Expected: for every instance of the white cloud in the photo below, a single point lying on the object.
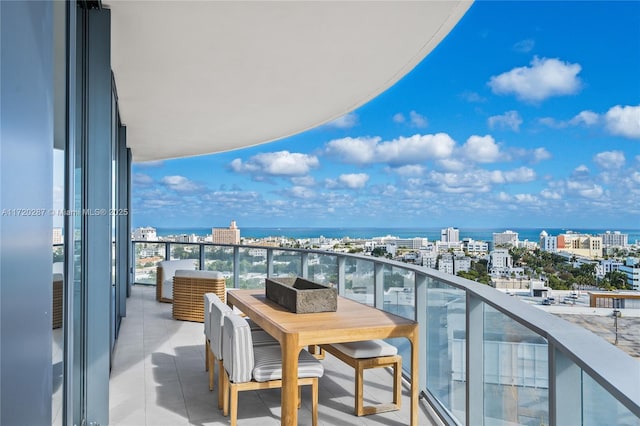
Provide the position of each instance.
(180, 184)
(609, 159)
(303, 180)
(508, 120)
(410, 170)
(524, 46)
(281, 163)
(346, 121)
(481, 149)
(540, 154)
(400, 151)
(354, 180)
(415, 149)
(472, 97)
(543, 79)
(353, 150)
(399, 118)
(415, 119)
(452, 165)
(550, 195)
(418, 120)
(624, 121)
(141, 179)
(588, 118)
(503, 196)
(521, 174)
(301, 192)
(526, 198)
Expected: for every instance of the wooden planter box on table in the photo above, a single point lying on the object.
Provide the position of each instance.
(301, 296)
(189, 288)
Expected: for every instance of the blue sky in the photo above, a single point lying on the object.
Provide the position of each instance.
(526, 115)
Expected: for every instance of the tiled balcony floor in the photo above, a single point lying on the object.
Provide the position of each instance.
(158, 378)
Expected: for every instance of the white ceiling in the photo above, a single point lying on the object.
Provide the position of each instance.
(199, 77)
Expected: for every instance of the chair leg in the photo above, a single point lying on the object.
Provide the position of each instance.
(359, 390)
(222, 376)
(299, 396)
(224, 391)
(397, 384)
(206, 354)
(211, 364)
(314, 402)
(233, 402)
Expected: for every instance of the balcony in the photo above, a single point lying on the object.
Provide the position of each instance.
(158, 378)
(483, 355)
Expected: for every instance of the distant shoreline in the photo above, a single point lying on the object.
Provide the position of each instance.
(432, 234)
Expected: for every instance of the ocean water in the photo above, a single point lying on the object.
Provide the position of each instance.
(433, 234)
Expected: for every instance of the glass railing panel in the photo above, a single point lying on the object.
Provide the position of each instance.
(220, 259)
(147, 256)
(599, 407)
(323, 268)
(447, 345)
(287, 263)
(252, 267)
(399, 291)
(516, 368)
(358, 280)
(185, 251)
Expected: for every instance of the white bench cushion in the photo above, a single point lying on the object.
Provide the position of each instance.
(366, 349)
(268, 364)
(198, 274)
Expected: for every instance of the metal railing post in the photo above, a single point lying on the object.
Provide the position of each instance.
(474, 362)
(341, 270)
(378, 285)
(269, 262)
(201, 247)
(236, 267)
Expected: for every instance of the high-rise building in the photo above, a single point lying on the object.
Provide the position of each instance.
(450, 235)
(580, 244)
(506, 238)
(230, 235)
(614, 239)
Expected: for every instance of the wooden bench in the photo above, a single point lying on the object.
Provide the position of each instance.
(370, 354)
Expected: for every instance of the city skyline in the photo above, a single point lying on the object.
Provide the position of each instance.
(522, 117)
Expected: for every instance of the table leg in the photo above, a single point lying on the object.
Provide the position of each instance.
(415, 385)
(289, 404)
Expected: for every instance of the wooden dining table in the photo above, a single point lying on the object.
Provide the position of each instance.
(353, 321)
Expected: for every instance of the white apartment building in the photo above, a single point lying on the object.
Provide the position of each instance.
(500, 258)
(450, 235)
(548, 242)
(429, 258)
(475, 247)
(145, 234)
(506, 238)
(446, 264)
(614, 239)
(461, 263)
(230, 235)
(444, 247)
(607, 265)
